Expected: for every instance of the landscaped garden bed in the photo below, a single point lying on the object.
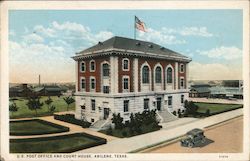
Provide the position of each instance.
(70, 118)
(56, 144)
(35, 127)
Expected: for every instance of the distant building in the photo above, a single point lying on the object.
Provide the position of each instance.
(20, 91)
(200, 90)
(226, 92)
(122, 75)
(48, 90)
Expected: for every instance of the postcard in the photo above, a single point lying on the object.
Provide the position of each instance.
(124, 80)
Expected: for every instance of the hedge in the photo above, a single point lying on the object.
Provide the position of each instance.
(98, 141)
(70, 118)
(59, 129)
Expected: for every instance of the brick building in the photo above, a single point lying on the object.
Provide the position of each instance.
(122, 75)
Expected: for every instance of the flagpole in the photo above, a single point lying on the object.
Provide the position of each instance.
(135, 28)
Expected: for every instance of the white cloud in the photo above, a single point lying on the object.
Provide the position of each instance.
(160, 36)
(214, 71)
(227, 53)
(195, 31)
(44, 31)
(33, 38)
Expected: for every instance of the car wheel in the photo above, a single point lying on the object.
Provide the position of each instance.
(190, 145)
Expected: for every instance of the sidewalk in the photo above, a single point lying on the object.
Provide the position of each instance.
(150, 139)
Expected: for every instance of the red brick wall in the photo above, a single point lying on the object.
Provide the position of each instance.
(87, 73)
(121, 73)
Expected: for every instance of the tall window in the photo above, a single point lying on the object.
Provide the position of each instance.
(125, 64)
(182, 68)
(145, 74)
(182, 98)
(182, 82)
(125, 105)
(92, 65)
(93, 105)
(105, 70)
(146, 104)
(83, 83)
(170, 99)
(169, 75)
(158, 75)
(92, 83)
(82, 66)
(125, 83)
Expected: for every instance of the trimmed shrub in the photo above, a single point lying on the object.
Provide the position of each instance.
(70, 118)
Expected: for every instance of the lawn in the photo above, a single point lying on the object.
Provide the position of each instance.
(24, 111)
(35, 127)
(56, 144)
(216, 108)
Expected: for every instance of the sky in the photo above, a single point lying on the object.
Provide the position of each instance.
(43, 41)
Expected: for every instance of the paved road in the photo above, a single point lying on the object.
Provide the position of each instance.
(226, 137)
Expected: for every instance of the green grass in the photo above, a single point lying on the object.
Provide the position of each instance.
(24, 111)
(215, 108)
(35, 127)
(56, 144)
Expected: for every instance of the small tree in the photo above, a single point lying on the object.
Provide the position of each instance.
(207, 112)
(48, 102)
(34, 103)
(117, 120)
(68, 101)
(52, 109)
(13, 108)
(190, 108)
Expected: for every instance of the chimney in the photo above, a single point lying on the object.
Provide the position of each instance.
(39, 81)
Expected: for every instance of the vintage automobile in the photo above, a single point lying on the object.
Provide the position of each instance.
(193, 138)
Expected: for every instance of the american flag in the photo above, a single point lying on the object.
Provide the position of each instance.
(139, 24)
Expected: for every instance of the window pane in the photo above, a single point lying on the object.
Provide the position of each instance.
(125, 64)
(92, 65)
(105, 69)
(145, 74)
(169, 75)
(146, 103)
(170, 100)
(125, 83)
(93, 105)
(182, 98)
(125, 105)
(83, 66)
(92, 83)
(158, 78)
(83, 83)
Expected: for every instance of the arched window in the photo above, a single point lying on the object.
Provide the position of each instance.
(125, 64)
(92, 65)
(105, 70)
(169, 75)
(158, 74)
(145, 74)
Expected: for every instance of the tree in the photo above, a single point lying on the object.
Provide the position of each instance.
(13, 108)
(52, 109)
(34, 103)
(48, 102)
(117, 120)
(190, 108)
(68, 101)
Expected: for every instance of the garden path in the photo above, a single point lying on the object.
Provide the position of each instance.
(73, 129)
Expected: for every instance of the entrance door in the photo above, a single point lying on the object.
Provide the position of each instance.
(158, 103)
(105, 113)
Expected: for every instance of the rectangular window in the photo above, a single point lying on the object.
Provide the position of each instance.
(182, 68)
(182, 83)
(93, 105)
(125, 105)
(146, 104)
(170, 101)
(82, 67)
(92, 81)
(182, 98)
(105, 89)
(92, 66)
(83, 83)
(125, 83)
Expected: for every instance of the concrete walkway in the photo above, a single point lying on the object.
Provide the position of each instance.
(178, 122)
(73, 129)
(216, 100)
(150, 139)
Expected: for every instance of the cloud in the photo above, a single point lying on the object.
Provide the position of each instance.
(227, 53)
(33, 38)
(214, 71)
(44, 31)
(160, 36)
(195, 31)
